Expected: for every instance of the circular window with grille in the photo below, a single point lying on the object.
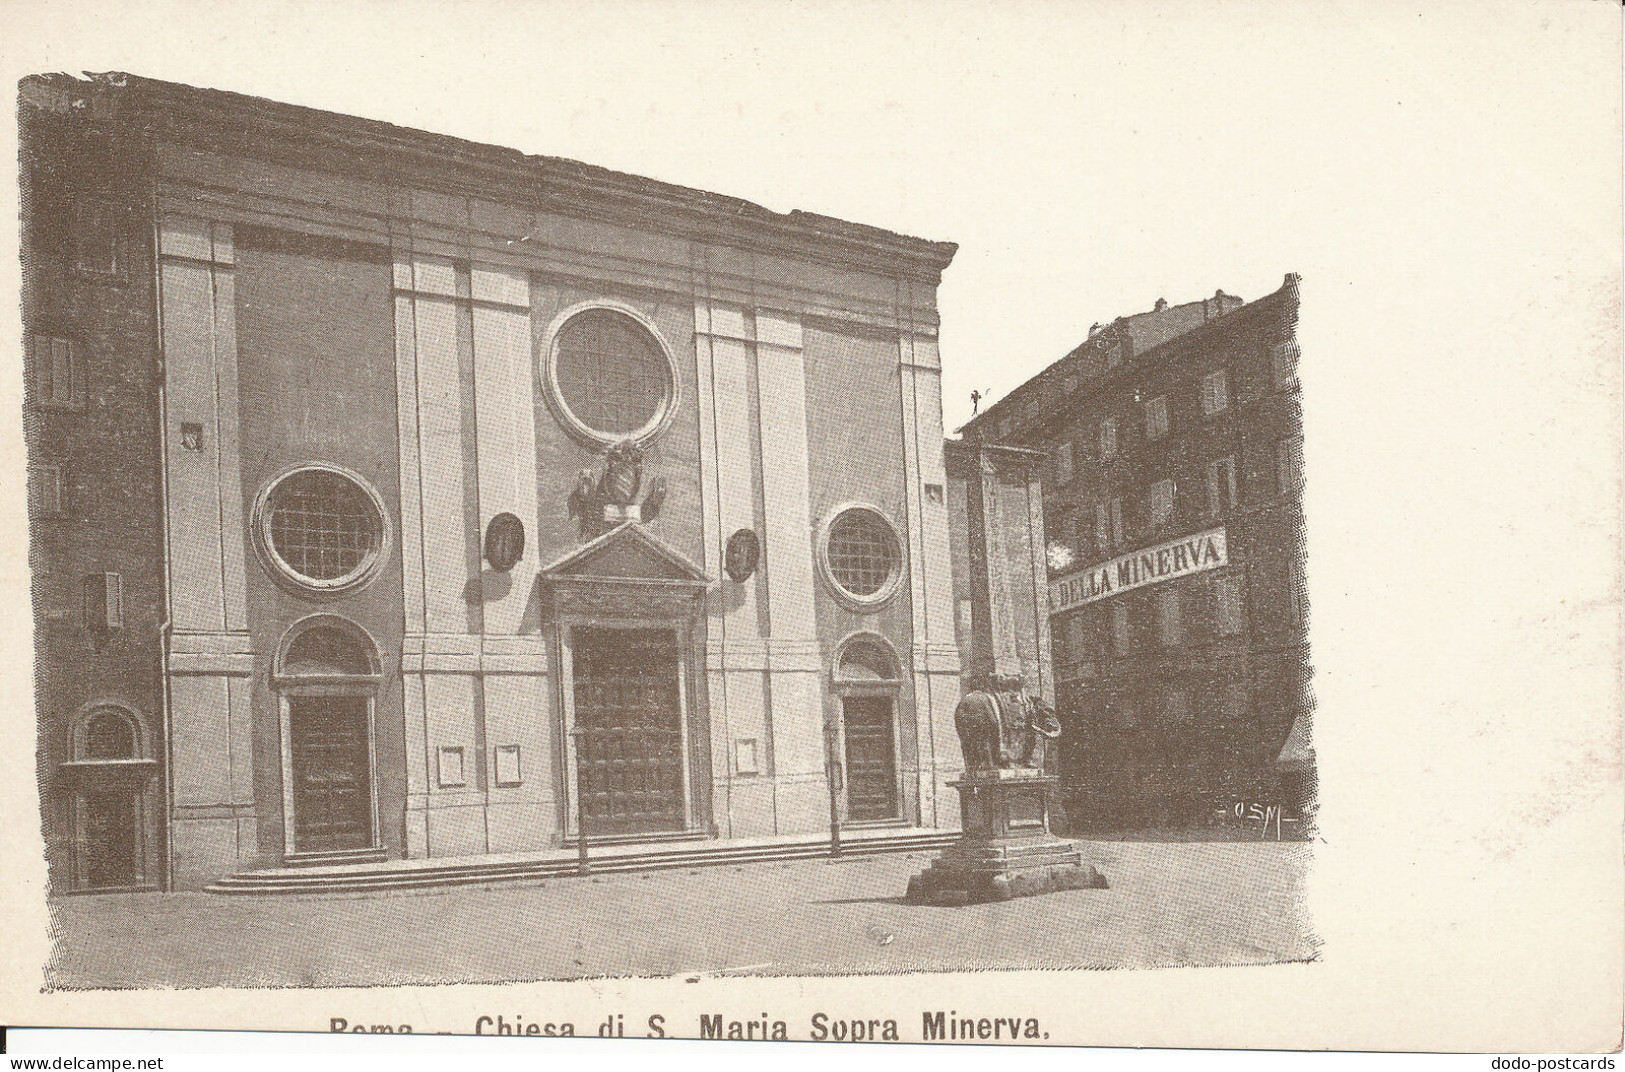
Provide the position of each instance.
(862, 556)
(609, 376)
(322, 528)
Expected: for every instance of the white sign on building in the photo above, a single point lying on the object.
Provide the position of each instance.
(1187, 555)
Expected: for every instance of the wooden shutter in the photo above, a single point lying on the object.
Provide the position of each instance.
(45, 490)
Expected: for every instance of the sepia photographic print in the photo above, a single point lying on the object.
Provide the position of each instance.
(455, 564)
(482, 522)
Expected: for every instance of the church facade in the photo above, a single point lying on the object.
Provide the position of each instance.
(477, 502)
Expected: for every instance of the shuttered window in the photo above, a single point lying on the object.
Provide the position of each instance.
(1063, 463)
(1284, 365)
(1227, 605)
(1215, 392)
(1109, 525)
(1156, 418)
(96, 237)
(1175, 708)
(1289, 465)
(1121, 643)
(45, 491)
(1221, 486)
(1298, 595)
(104, 602)
(1160, 504)
(1170, 624)
(59, 371)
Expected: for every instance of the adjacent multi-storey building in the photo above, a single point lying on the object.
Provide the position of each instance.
(95, 496)
(398, 497)
(1176, 554)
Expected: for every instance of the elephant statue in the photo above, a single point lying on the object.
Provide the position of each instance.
(1003, 727)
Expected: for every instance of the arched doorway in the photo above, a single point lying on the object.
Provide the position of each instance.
(326, 676)
(113, 772)
(866, 683)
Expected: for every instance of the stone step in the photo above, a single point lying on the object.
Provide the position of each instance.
(329, 859)
(407, 875)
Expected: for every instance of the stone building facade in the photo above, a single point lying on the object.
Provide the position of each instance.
(417, 498)
(1174, 514)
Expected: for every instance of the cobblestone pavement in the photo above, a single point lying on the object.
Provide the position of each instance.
(1169, 904)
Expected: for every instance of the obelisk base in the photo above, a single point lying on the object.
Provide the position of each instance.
(1006, 849)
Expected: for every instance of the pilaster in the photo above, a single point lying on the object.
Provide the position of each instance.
(208, 663)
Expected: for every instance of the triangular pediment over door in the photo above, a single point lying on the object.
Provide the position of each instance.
(627, 554)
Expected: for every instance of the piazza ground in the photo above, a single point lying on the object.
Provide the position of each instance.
(1170, 904)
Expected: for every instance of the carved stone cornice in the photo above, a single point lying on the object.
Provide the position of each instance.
(363, 148)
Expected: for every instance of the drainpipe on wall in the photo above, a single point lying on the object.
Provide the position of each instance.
(166, 627)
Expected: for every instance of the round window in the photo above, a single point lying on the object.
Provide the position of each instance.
(862, 556)
(610, 376)
(322, 528)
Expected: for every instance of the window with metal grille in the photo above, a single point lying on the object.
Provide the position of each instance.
(1063, 463)
(862, 554)
(611, 374)
(322, 528)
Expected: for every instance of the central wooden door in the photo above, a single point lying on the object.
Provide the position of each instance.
(871, 758)
(629, 710)
(332, 776)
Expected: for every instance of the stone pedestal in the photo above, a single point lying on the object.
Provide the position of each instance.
(1006, 849)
